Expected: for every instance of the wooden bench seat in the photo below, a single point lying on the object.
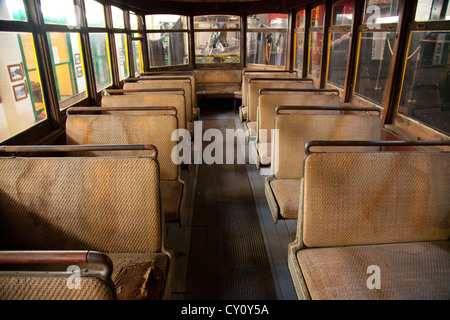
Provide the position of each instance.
(109, 204)
(293, 130)
(373, 225)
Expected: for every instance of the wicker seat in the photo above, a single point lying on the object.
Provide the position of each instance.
(105, 203)
(254, 87)
(156, 126)
(254, 74)
(351, 245)
(293, 131)
(154, 83)
(191, 76)
(271, 99)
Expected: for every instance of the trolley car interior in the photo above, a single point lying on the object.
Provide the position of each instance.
(225, 150)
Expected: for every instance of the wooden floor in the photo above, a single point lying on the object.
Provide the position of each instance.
(276, 237)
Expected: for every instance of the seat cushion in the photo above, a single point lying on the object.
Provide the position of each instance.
(264, 152)
(171, 195)
(409, 271)
(139, 276)
(287, 195)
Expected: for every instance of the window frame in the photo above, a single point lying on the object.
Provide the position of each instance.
(145, 48)
(392, 115)
(339, 29)
(356, 98)
(247, 30)
(220, 65)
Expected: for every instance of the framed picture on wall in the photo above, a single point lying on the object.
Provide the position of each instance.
(77, 58)
(79, 72)
(20, 91)
(15, 72)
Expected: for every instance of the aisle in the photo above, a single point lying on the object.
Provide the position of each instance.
(227, 256)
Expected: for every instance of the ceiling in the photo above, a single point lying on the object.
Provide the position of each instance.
(210, 6)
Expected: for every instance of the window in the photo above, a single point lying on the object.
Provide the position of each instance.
(60, 12)
(316, 40)
(137, 54)
(299, 40)
(122, 55)
(340, 35)
(217, 39)
(267, 39)
(376, 50)
(167, 38)
(425, 95)
(429, 10)
(101, 60)
(12, 10)
(68, 68)
(117, 17)
(133, 21)
(21, 102)
(95, 14)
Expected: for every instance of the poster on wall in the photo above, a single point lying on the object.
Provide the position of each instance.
(77, 58)
(20, 91)
(15, 72)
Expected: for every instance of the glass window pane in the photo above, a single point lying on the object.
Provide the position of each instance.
(122, 54)
(315, 53)
(342, 13)
(12, 10)
(133, 21)
(299, 49)
(168, 49)
(117, 17)
(95, 14)
(165, 22)
(267, 20)
(217, 22)
(217, 47)
(318, 16)
(137, 57)
(426, 95)
(100, 58)
(339, 46)
(59, 12)
(430, 10)
(381, 11)
(373, 65)
(21, 103)
(300, 19)
(68, 68)
(266, 48)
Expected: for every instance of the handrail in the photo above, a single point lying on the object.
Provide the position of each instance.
(327, 143)
(281, 79)
(261, 91)
(67, 257)
(322, 108)
(157, 78)
(78, 148)
(121, 91)
(75, 110)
